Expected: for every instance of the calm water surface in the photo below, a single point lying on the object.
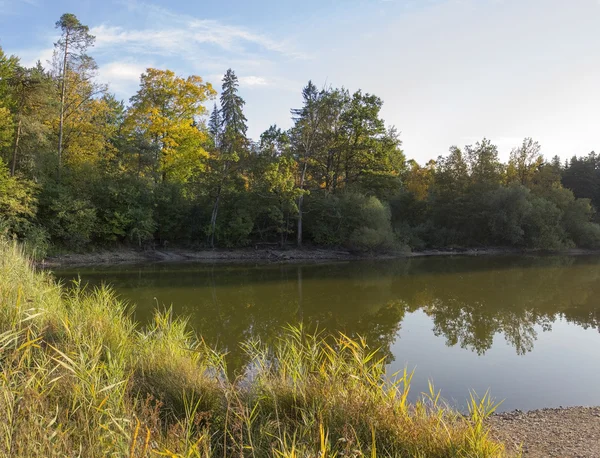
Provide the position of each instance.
(527, 328)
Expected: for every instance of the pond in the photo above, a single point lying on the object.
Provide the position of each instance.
(526, 328)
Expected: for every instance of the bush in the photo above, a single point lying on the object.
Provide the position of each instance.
(18, 201)
(69, 217)
(36, 242)
(125, 210)
(349, 219)
(577, 221)
(543, 228)
(172, 212)
(508, 209)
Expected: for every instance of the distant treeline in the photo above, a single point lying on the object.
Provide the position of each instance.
(80, 169)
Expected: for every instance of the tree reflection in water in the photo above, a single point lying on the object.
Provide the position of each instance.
(469, 299)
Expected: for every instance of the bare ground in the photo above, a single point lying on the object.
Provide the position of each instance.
(125, 255)
(564, 432)
(130, 256)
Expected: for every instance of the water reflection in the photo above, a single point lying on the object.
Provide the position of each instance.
(469, 300)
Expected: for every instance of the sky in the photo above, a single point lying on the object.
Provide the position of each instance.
(450, 72)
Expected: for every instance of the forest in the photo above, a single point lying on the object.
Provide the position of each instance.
(82, 170)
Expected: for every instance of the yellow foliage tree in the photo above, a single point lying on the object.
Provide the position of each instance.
(167, 110)
(87, 129)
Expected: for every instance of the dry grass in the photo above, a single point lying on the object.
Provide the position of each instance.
(79, 378)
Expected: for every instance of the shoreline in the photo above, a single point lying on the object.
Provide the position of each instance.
(122, 256)
(549, 432)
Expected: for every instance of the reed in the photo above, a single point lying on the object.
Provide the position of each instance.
(79, 378)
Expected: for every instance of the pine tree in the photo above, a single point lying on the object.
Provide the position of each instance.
(308, 121)
(214, 126)
(232, 140)
(74, 41)
(232, 106)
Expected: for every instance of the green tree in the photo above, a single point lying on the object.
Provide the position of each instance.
(582, 176)
(485, 168)
(524, 162)
(18, 203)
(32, 106)
(70, 50)
(308, 124)
(230, 147)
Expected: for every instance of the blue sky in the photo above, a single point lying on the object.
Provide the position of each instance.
(449, 71)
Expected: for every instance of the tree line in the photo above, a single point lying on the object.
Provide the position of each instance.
(81, 169)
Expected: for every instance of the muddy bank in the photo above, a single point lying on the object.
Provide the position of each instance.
(564, 432)
(131, 256)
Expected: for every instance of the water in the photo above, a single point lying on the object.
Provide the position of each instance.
(526, 328)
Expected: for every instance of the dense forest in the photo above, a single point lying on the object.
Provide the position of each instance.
(80, 169)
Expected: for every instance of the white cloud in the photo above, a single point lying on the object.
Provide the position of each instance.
(122, 76)
(182, 34)
(248, 81)
(29, 57)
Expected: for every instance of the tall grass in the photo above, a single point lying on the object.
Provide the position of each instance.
(79, 378)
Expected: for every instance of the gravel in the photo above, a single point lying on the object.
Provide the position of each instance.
(564, 432)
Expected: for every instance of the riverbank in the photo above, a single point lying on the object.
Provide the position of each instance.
(130, 256)
(126, 255)
(79, 377)
(564, 432)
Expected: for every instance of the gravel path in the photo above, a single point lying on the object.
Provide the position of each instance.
(566, 432)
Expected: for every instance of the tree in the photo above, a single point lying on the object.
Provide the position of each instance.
(231, 144)
(371, 154)
(582, 176)
(18, 202)
(71, 47)
(232, 106)
(215, 126)
(485, 168)
(524, 162)
(30, 91)
(166, 110)
(8, 67)
(308, 122)
(418, 180)
(273, 181)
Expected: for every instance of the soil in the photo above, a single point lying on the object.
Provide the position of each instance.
(124, 255)
(130, 256)
(564, 432)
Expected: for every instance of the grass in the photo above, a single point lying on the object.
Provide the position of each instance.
(79, 378)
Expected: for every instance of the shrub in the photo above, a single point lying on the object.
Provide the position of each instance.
(18, 201)
(508, 209)
(577, 221)
(70, 219)
(543, 229)
(350, 219)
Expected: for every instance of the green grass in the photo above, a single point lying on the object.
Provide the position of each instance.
(79, 378)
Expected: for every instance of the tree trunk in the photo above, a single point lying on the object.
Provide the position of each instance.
(13, 166)
(213, 218)
(63, 93)
(299, 234)
(300, 201)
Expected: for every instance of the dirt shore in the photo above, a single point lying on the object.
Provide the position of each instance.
(124, 255)
(564, 432)
(131, 256)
